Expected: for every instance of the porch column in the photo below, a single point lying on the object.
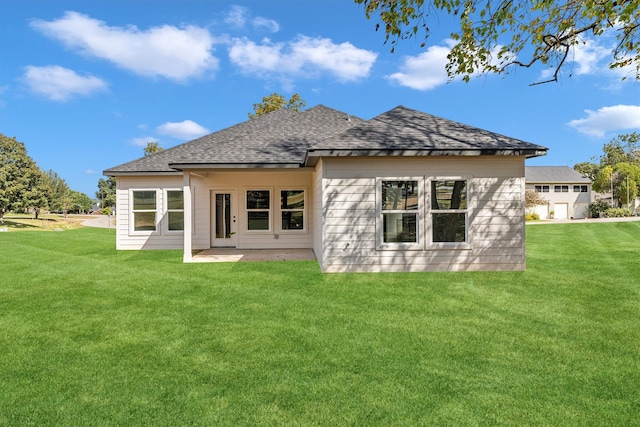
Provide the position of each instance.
(188, 224)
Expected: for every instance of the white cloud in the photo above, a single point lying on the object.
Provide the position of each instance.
(142, 141)
(608, 119)
(90, 172)
(424, 71)
(236, 17)
(166, 51)
(305, 56)
(60, 84)
(268, 24)
(186, 129)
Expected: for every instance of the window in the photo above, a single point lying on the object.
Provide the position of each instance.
(579, 188)
(400, 202)
(561, 188)
(292, 209)
(175, 210)
(258, 210)
(144, 210)
(449, 211)
(542, 188)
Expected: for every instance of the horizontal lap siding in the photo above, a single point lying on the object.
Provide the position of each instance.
(496, 216)
(159, 240)
(271, 180)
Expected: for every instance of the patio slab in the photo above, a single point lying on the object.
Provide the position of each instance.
(248, 255)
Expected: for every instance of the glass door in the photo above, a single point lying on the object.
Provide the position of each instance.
(224, 227)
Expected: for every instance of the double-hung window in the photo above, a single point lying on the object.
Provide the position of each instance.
(258, 206)
(449, 211)
(144, 209)
(399, 213)
(175, 210)
(292, 209)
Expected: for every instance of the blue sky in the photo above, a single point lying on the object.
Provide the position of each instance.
(85, 84)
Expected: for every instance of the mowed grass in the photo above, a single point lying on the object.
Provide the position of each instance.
(91, 336)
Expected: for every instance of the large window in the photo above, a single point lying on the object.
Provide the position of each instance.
(175, 210)
(542, 188)
(580, 189)
(399, 210)
(144, 209)
(292, 209)
(258, 210)
(449, 211)
(560, 188)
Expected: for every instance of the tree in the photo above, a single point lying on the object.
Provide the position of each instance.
(623, 179)
(622, 149)
(275, 102)
(151, 148)
(80, 202)
(106, 192)
(34, 197)
(58, 192)
(493, 35)
(19, 176)
(588, 169)
(533, 199)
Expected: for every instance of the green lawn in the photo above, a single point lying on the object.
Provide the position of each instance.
(91, 336)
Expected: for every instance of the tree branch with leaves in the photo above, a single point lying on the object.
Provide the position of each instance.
(495, 36)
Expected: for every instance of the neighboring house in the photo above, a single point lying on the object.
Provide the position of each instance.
(404, 191)
(567, 191)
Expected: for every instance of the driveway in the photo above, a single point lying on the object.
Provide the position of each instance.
(584, 221)
(101, 221)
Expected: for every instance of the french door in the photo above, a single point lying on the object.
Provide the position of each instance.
(224, 219)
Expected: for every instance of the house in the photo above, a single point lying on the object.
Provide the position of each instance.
(567, 191)
(404, 191)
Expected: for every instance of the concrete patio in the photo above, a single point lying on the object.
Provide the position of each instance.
(248, 255)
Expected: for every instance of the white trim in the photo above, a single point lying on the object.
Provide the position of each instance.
(245, 211)
(235, 219)
(132, 212)
(166, 210)
(188, 217)
(466, 245)
(399, 246)
(279, 210)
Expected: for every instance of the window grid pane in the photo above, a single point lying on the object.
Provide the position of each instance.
(176, 221)
(144, 221)
(144, 200)
(449, 195)
(400, 195)
(175, 200)
(400, 227)
(449, 227)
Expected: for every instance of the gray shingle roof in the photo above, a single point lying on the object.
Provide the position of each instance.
(285, 138)
(554, 174)
(404, 128)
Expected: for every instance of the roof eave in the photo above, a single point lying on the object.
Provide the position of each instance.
(181, 166)
(314, 155)
(110, 172)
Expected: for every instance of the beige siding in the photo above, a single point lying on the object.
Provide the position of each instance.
(161, 239)
(203, 183)
(496, 215)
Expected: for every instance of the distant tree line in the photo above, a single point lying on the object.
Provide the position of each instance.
(617, 170)
(24, 187)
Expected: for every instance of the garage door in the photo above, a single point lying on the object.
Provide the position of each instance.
(561, 210)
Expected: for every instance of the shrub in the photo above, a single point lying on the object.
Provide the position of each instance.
(617, 212)
(597, 208)
(106, 211)
(531, 217)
